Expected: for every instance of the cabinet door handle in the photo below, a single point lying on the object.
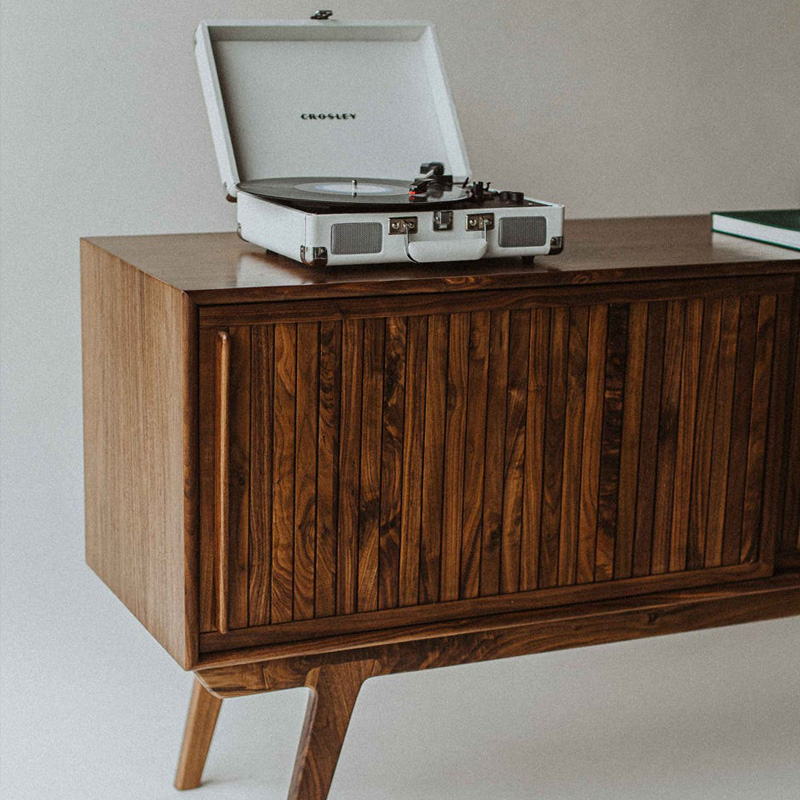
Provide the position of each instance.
(221, 454)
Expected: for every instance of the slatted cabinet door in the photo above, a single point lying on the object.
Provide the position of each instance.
(370, 464)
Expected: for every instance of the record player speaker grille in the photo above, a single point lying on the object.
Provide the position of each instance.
(355, 238)
(522, 232)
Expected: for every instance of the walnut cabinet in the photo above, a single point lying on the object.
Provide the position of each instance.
(301, 477)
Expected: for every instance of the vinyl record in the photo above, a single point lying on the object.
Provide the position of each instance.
(342, 194)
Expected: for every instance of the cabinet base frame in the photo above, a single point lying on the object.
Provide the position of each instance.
(335, 677)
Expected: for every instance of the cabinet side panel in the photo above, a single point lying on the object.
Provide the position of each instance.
(139, 439)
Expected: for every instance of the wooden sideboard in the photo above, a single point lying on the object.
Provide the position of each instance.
(306, 477)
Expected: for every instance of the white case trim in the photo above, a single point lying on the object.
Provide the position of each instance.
(221, 135)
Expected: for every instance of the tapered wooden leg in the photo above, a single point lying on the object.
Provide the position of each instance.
(334, 690)
(200, 723)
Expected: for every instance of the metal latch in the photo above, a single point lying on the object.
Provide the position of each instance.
(402, 225)
(314, 256)
(480, 222)
(443, 220)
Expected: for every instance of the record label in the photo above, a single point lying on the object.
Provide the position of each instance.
(353, 188)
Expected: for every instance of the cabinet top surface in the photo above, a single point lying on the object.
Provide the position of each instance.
(221, 268)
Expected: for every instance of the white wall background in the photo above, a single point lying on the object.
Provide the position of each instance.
(615, 107)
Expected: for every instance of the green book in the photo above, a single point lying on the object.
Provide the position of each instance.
(781, 227)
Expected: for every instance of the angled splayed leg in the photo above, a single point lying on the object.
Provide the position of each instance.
(200, 723)
(334, 691)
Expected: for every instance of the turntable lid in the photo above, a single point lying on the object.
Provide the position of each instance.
(326, 98)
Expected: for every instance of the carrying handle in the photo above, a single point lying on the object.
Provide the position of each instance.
(447, 250)
(221, 473)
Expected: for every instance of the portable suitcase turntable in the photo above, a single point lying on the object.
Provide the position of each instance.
(319, 128)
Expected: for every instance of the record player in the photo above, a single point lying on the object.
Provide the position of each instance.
(340, 144)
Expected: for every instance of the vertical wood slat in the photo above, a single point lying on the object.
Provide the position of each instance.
(262, 371)
(770, 518)
(648, 445)
(573, 442)
(221, 467)
(283, 427)
(472, 519)
(681, 496)
(514, 468)
(239, 476)
(494, 459)
(590, 450)
(305, 468)
(413, 431)
(369, 514)
(740, 430)
(533, 473)
(455, 435)
(793, 499)
(349, 467)
(611, 442)
(791, 522)
(718, 480)
(207, 359)
(754, 480)
(704, 433)
(391, 461)
(554, 447)
(631, 433)
(432, 531)
(330, 356)
(668, 437)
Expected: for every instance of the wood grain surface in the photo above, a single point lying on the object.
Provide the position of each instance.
(491, 460)
(334, 691)
(790, 538)
(222, 480)
(140, 439)
(282, 667)
(216, 268)
(201, 720)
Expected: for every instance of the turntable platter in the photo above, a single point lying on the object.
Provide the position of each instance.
(343, 194)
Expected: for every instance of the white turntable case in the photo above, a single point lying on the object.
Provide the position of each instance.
(332, 98)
